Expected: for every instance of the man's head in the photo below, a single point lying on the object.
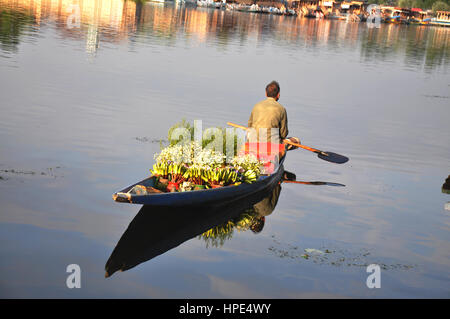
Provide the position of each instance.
(273, 90)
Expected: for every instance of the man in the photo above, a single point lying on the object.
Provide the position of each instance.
(270, 114)
(271, 117)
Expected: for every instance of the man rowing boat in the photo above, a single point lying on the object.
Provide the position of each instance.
(269, 119)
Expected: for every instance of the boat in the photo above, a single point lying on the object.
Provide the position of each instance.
(197, 197)
(255, 8)
(156, 230)
(442, 19)
(391, 14)
(210, 4)
(419, 16)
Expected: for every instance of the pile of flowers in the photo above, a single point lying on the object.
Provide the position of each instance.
(189, 167)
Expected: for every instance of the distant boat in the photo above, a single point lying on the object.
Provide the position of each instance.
(419, 16)
(442, 18)
(210, 4)
(391, 14)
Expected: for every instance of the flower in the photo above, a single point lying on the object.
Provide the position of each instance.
(247, 162)
(207, 164)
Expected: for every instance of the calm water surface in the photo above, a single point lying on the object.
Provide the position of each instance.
(84, 107)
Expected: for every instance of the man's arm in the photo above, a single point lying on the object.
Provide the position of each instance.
(283, 126)
(250, 120)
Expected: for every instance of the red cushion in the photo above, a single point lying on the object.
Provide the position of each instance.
(264, 148)
(266, 152)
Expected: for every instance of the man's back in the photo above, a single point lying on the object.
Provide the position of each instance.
(269, 114)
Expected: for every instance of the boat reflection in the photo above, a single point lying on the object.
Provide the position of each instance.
(156, 230)
(251, 219)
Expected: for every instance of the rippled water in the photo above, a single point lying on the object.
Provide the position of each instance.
(83, 110)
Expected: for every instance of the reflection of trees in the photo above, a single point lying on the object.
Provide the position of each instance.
(437, 48)
(13, 23)
(423, 46)
(379, 44)
(167, 24)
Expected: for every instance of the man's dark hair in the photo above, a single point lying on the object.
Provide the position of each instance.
(272, 89)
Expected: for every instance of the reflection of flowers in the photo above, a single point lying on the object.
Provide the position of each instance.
(217, 236)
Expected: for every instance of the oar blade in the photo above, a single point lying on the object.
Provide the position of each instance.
(333, 157)
(313, 183)
(335, 184)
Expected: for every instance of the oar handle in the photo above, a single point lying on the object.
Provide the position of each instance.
(285, 141)
(237, 125)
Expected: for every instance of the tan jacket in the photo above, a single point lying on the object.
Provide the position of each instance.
(269, 114)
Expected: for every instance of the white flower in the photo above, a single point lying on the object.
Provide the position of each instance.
(194, 155)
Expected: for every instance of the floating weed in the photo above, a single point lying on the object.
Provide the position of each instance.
(48, 172)
(436, 96)
(332, 257)
(145, 139)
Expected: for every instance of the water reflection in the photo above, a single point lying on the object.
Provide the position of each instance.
(13, 25)
(150, 23)
(251, 219)
(446, 185)
(156, 230)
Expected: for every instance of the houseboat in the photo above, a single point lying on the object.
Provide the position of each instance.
(442, 19)
(352, 11)
(419, 16)
(390, 14)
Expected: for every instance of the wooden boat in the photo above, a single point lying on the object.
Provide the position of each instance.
(442, 19)
(419, 16)
(391, 14)
(199, 197)
(157, 229)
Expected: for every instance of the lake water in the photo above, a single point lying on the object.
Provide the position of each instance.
(85, 106)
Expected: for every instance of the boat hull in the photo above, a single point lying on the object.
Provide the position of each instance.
(441, 23)
(200, 197)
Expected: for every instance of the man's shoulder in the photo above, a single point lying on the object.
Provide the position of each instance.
(261, 103)
(270, 102)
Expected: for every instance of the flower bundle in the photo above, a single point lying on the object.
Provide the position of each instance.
(220, 176)
(194, 175)
(171, 174)
(249, 166)
(188, 166)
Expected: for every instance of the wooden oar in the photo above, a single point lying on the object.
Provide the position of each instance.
(327, 156)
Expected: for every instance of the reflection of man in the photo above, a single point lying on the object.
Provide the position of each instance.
(265, 208)
(446, 185)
